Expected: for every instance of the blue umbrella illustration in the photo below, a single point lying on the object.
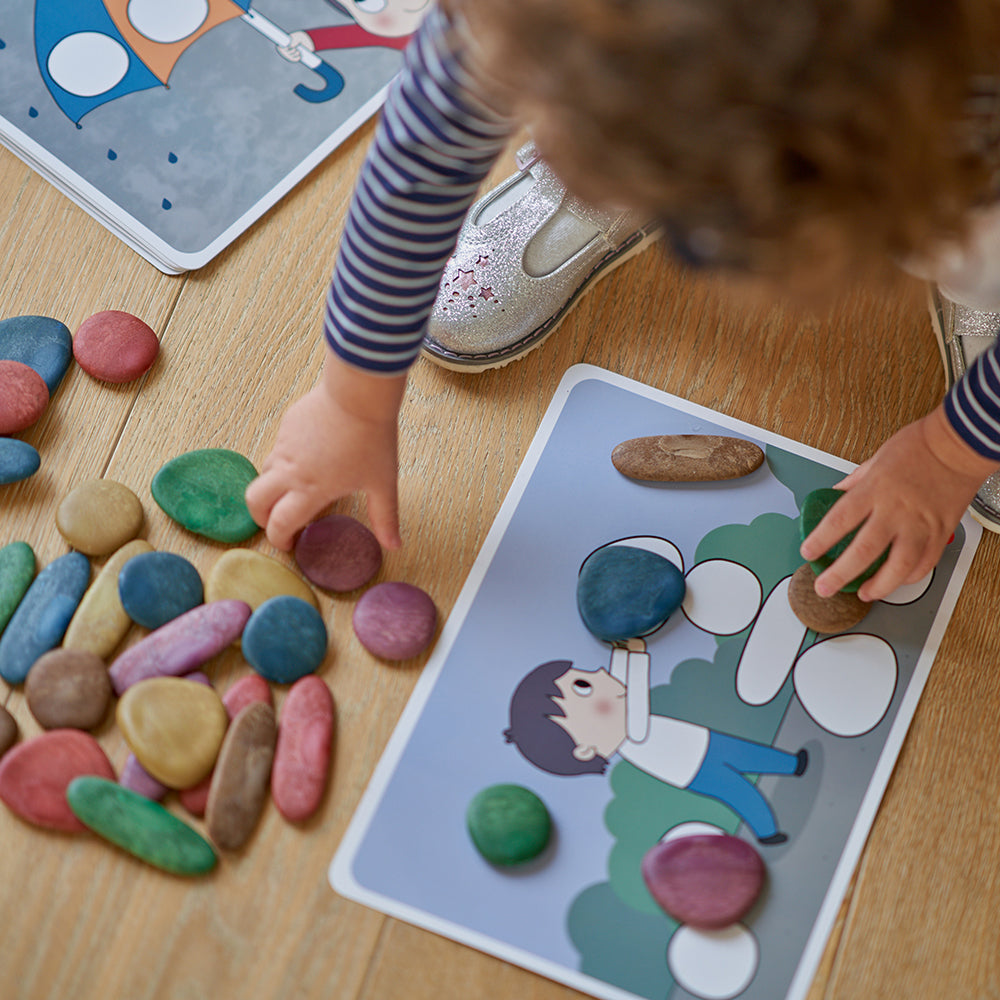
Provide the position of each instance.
(90, 52)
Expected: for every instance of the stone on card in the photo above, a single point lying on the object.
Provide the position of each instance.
(255, 578)
(100, 622)
(8, 730)
(686, 458)
(99, 516)
(203, 491)
(68, 689)
(707, 881)
(157, 587)
(181, 645)
(338, 553)
(242, 777)
(823, 614)
(508, 824)
(143, 828)
(624, 592)
(174, 727)
(137, 779)
(23, 396)
(39, 342)
(302, 756)
(17, 570)
(18, 460)
(34, 776)
(115, 346)
(40, 620)
(285, 639)
(394, 620)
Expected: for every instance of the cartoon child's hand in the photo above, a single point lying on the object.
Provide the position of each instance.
(297, 41)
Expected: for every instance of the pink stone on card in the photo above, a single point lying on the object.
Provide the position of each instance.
(115, 346)
(338, 553)
(23, 396)
(395, 620)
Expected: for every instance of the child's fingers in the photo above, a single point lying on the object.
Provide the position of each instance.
(261, 495)
(383, 512)
(289, 515)
(843, 517)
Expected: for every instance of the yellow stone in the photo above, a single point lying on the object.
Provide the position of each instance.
(174, 727)
(99, 516)
(100, 621)
(250, 576)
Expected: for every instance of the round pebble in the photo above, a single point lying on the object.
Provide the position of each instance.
(17, 570)
(23, 396)
(395, 620)
(157, 587)
(99, 516)
(509, 824)
(253, 577)
(686, 458)
(338, 553)
(302, 756)
(39, 342)
(115, 346)
(68, 689)
(823, 614)
(285, 639)
(18, 460)
(8, 730)
(707, 881)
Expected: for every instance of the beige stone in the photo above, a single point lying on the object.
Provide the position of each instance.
(252, 577)
(99, 516)
(825, 615)
(686, 458)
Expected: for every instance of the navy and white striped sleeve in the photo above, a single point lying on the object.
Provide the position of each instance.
(973, 404)
(436, 140)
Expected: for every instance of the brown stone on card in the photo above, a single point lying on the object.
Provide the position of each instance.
(115, 346)
(68, 689)
(8, 730)
(99, 516)
(23, 396)
(686, 458)
(823, 614)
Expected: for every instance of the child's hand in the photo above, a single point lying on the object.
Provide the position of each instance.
(910, 495)
(338, 438)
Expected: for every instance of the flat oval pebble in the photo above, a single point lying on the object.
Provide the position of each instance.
(825, 615)
(34, 776)
(23, 396)
(143, 828)
(68, 689)
(338, 553)
(182, 645)
(174, 727)
(8, 730)
(115, 346)
(302, 756)
(285, 639)
(18, 460)
(40, 620)
(709, 881)
(137, 779)
(99, 516)
(242, 777)
(203, 491)
(395, 620)
(686, 458)
(157, 587)
(39, 342)
(509, 824)
(624, 592)
(255, 578)
(100, 622)
(17, 570)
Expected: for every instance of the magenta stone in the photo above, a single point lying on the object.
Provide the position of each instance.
(23, 396)
(115, 346)
(338, 553)
(302, 755)
(395, 620)
(137, 779)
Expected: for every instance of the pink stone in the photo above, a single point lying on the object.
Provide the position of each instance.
(302, 756)
(395, 620)
(34, 776)
(338, 553)
(137, 779)
(115, 346)
(23, 396)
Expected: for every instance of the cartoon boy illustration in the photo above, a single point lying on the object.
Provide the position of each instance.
(569, 721)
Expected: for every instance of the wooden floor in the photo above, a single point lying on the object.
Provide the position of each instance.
(240, 340)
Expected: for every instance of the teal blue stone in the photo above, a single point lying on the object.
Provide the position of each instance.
(157, 587)
(624, 592)
(285, 639)
(139, 826)
(17, 570)
(203, 490)
(18, 460)
(40, 620)
(39, 342)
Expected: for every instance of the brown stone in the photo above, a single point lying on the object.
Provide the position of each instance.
(68, 689)
(8, 730)
(823, 614)
(686, 458)
(99, 516)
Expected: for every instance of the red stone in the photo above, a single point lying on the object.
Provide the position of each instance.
(23, 396)
(115, 346)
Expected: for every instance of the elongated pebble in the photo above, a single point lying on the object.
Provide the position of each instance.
(18, 460)
(17, 570)
(285, 639)
(23, 396)
(34, 776)
(115, 346)
(686, 458)
(137, 779)
(338, 552)
(253, 577)
(68, 689)
(181, 645)
(41, 618)
(8, 730)
(394, 620)
(157, 587)
(99, 516)
(302, 756)
(142, 828)
(39, 342)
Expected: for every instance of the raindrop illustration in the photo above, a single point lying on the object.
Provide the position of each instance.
(33, 112)
(172, 157)
(166, 204)
(112, 155)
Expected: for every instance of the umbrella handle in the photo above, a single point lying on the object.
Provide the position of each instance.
(333, 85)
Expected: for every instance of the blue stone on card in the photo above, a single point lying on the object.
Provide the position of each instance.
(624, 592)
(39, 342)
(18, 460)
(41, 618)
(285, 639)
(157, 587)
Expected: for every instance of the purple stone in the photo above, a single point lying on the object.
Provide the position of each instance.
(137, 779)
(395, 620)
(338, 553)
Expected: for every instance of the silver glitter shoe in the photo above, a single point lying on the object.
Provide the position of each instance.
(526, 254)
(962, 335)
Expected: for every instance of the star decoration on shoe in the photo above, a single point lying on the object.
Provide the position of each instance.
(486, 293)
(464, 279)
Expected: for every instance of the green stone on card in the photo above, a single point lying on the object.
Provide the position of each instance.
(17, 570)
(815, 507)
(509, 824)
(139, 826)
(203, 491)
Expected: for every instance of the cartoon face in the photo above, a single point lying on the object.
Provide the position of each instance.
(594, 705)
(388, 18)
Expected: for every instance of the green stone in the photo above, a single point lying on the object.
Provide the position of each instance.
(17, 570)
(204, 490)
(508, 824)
(137, 825)
(815, 507)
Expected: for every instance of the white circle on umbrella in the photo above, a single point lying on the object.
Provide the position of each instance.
(714, 965)
(166, 21)
(691, 828)
(907, 593)
(88, 63)
(721, 596)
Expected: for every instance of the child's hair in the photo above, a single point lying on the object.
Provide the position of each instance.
(543, 742)
(765, 133)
